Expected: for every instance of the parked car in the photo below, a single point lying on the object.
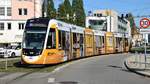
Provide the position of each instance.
(11, 51)
(2, 52)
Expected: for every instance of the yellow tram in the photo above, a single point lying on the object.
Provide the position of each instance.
(48, 41)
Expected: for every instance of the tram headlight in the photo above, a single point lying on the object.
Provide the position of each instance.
(24, 53)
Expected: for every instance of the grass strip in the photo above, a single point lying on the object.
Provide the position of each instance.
(15, 66)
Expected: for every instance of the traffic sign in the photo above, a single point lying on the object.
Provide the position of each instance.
(144, 23)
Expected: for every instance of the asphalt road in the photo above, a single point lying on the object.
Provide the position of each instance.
(95, 70)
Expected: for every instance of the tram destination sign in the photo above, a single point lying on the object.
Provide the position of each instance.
(37, 25)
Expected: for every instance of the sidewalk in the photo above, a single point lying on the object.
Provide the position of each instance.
(136, 63)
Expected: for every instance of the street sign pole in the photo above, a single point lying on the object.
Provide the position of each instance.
(145, 23)
(145, 52)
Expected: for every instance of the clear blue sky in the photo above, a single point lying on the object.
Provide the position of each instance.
(136, 7)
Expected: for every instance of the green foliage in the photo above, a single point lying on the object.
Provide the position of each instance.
(131, 20)
(51, 11)
(61, 12)
(64, 10)
(78, 10)
(75, 12)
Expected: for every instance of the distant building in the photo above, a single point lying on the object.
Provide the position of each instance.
(13, 16)
(109, 21)
(145, 32)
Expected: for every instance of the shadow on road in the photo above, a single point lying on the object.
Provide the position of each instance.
(115, 66)
(118, 67)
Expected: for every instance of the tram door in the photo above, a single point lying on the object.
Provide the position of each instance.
(67, 45)
(102, 45)
(81, 45)
(64, 44)
(75, 45)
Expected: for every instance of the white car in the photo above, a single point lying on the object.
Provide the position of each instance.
(11, 51)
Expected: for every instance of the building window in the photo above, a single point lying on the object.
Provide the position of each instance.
(2, 11)
(9, 26)
(21, 26)
(8, 11)
(20, 11)
(25, 11)
(1, 26)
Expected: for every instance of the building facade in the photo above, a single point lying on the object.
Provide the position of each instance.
(13, 16)
(109, 21)
(145, 34)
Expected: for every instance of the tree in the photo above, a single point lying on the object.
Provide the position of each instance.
(130, 18)
(68, 10)
(43, 8)
(78, 10)
(51, 11)
(133, 27)
(61, 12)
(65, 12)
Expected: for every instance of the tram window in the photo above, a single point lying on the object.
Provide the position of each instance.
(74, 38)
(117, 42)
(100, 41)
(60, 39)
(51, 42)
(97, 41)
(63, 39)
(81, 39)
(77, 40)
(103, 41)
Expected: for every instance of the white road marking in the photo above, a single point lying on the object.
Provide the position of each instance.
(51, 80)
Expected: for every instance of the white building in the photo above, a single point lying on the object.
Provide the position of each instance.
(145, 34)
(109, 21)
(13, 16)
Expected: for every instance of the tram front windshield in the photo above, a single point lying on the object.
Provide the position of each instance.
(34, 39)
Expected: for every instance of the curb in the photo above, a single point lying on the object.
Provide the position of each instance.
(134, 71)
